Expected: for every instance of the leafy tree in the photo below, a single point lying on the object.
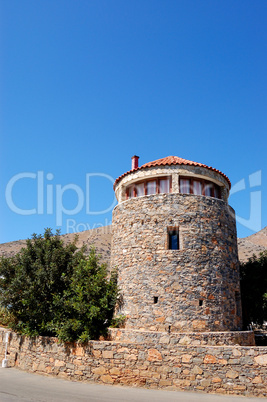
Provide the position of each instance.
(89, 301)
(53, 289)
(254, 289)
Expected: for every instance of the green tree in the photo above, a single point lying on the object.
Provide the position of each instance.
(54, 289)
(88, 303)
(253, 275)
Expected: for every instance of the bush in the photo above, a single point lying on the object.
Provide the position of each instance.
(89, 302)
(5, 317)
(253, 275)
(118, 321)
(53, 289)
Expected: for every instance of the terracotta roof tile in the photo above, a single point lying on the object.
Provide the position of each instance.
(172, 160)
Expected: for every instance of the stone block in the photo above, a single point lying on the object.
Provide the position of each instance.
(186, 358)
(63, 375)
(261, 359)
(99, 370)
(240, 387)
(210, 359)
(164, 340)
(131, 357)
(237, 352)
(70, 366)
(78, 351)
(154, 355)
(78, 372)
(185, 340)
(181, 383)
(107, 379)
(122, 350)
(232, 374)
(257, 380)
(165, 383)
(59, 363)
(216, 380)
(197, 370)
(115, 371)
(199, 325)
(107, 354)
(96, 353)
(204, 383)
(222, 361)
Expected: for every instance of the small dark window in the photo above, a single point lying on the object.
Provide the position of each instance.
(156, 299)
(200, 303)
(173, 239)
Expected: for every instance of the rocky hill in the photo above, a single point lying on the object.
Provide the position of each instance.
(101, 239)
(254, 244)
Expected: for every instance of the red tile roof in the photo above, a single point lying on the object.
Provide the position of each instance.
(172, 160)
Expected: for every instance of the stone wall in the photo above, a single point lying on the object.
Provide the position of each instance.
(218, 369)
(196, 288)
(244, 338)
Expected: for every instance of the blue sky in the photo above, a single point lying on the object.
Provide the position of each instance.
(87, 84)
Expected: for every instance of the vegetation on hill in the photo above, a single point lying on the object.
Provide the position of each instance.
(53, 289)
(254, 290)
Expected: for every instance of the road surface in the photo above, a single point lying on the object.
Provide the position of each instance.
(16, 385)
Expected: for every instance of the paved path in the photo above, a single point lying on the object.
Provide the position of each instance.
(16, 385)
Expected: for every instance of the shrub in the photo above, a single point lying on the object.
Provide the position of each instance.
(53, 289)
(254, 290)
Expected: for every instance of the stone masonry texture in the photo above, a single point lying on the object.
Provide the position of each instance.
(244, 338)
(239, 370)
(196, 288)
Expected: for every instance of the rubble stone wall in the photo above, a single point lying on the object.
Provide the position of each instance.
(244, 338)
(195, 288)
(238, 370)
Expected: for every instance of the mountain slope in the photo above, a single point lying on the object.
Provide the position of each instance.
(101, 239)
(254, 244)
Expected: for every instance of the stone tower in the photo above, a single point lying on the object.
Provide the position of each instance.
(175, 247)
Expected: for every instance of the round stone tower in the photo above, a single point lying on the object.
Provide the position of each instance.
(175, 247)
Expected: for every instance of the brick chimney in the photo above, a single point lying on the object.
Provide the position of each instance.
(135, 162)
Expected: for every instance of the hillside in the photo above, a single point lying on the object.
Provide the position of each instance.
(101, 239)
(254, 244)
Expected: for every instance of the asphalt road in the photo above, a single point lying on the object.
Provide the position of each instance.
(16, 385)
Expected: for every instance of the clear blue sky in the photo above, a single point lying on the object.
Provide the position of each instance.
(87, 84)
